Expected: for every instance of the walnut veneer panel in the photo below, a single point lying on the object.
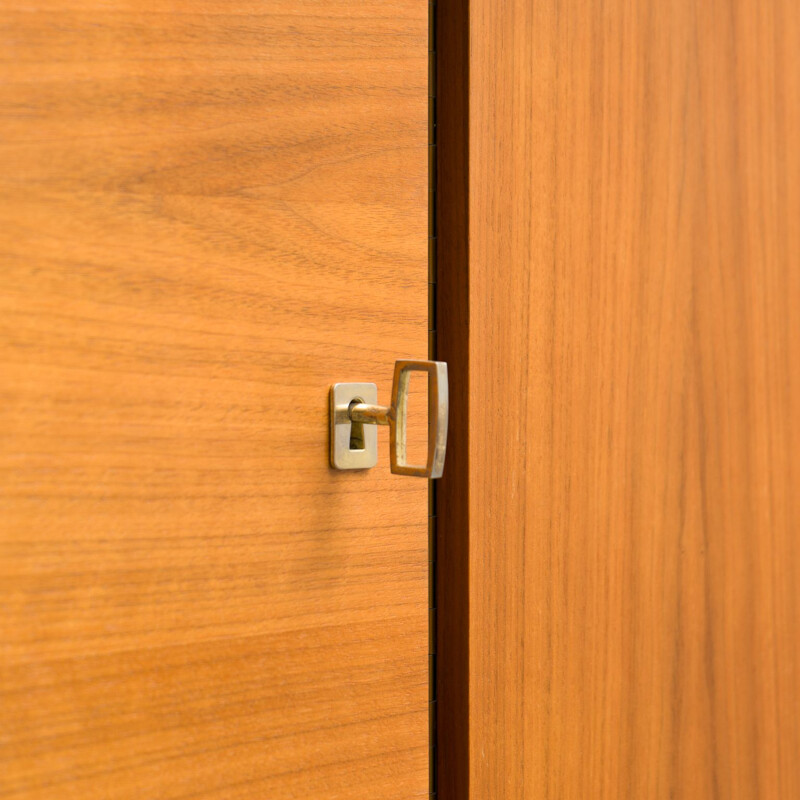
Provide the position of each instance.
(209, 212)
(632, 578)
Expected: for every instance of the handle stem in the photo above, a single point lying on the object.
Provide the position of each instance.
(372, 415)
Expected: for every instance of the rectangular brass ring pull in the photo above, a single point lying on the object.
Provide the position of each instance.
(438, 408)
(350, 408)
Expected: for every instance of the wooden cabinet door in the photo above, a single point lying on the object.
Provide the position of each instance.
(209, 212)
(621, 181)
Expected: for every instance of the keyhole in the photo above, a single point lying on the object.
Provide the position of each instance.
(356, 429)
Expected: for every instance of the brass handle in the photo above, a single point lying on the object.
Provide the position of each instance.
(359, 411)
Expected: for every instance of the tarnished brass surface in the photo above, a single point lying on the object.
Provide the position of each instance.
(350, 406)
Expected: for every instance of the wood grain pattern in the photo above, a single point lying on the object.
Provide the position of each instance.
(633, 572)
(209, 212)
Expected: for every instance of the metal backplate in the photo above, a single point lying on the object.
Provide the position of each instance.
(352, 448)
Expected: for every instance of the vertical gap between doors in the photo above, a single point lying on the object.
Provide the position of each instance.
(432, 354)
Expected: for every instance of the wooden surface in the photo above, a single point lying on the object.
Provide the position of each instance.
(633, 572)
(209, 212)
